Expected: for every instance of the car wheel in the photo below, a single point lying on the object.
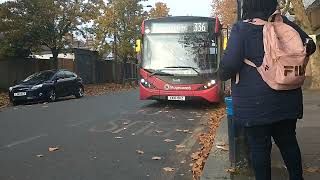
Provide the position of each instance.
(52, 95)
(15, 103)
(80, 92)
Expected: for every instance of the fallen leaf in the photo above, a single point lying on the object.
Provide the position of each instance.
(156, 158)
(168, 169)
(231, 170)
(180, 146)
(195, 155)
(52, 149)
(168, 140)
(222, 148)
(312, 170)
(179, 150)
(39, 155)
(220, 144)
(140, 152)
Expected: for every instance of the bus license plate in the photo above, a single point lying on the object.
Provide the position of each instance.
(20, 94)
(176, 98)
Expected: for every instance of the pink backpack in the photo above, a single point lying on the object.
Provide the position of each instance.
(285, 58)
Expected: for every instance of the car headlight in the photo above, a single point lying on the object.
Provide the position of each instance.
(37, 86)
(10, 89)
(208, 85)
(147, 84)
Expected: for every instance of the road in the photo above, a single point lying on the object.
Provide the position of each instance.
(98, 138)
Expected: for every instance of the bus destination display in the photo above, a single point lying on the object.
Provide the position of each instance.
(189, 27)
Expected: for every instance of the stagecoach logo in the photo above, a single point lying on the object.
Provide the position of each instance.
(166, 87)
(169, 87)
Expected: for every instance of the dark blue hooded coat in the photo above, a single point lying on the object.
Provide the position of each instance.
(254, 102)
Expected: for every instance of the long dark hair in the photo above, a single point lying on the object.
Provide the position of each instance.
(262, 9)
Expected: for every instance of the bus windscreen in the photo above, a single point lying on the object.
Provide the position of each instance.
(197, 50)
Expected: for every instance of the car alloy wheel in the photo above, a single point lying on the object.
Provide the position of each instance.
(52, 95)
(80, 92)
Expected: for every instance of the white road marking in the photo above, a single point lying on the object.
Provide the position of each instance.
(126, 127)
(141, 130)
(25, 140)
(113, 127)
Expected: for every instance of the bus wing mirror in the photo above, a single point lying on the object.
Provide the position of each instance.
(138, 46)
(225, 42)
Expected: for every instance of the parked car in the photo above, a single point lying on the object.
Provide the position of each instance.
(47, 85)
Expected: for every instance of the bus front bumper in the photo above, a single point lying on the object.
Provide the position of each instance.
(211, 95)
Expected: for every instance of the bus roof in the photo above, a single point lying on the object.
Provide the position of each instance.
(180, 19)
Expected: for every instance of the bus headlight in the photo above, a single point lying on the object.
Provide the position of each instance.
(146, 84)
(208, 85)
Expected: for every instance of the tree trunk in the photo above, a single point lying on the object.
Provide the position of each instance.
(315, 69)
(55, 53)
(303, 19)
(301, 16)
(124, 68)
(115, 47)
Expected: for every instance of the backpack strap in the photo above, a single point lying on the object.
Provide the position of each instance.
(276, 17)
(256, 21)
(248, 62)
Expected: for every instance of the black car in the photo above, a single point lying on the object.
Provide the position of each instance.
(47, 85)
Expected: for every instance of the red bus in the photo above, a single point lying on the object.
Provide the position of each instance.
(180, 58)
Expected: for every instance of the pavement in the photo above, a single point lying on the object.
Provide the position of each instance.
(308, 135)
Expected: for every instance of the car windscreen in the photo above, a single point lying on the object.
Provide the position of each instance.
(190, 51)
(38, 77)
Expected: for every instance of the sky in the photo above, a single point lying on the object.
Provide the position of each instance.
(182, 7)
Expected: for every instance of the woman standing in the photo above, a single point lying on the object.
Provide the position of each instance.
(264, 112)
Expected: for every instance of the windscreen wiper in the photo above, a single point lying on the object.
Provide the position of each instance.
(189, 67)
(161, 73)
